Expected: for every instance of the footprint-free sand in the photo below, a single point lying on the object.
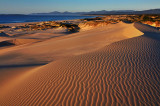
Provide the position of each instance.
(117, 64)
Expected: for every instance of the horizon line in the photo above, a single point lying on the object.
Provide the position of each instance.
(81, 11)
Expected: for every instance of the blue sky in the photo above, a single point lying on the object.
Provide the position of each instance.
(36, 6)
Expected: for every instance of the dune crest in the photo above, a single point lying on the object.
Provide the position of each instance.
(131, 31)
(73, 44)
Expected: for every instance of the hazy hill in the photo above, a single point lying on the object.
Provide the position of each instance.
(151, 11)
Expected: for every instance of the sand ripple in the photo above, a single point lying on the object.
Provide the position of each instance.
(126, 72)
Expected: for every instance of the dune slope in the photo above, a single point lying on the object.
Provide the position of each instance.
(126, 72)
(70, 45)
(17, 42)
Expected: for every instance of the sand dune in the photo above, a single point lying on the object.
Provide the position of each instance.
(17, 42)
(124, 71)
(70, 45)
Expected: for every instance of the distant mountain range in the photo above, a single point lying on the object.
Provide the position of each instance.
(103, 12)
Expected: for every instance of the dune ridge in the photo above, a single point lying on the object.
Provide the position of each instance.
(126, 72)
(70, 45)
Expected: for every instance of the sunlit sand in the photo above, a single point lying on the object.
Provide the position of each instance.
(114, 64)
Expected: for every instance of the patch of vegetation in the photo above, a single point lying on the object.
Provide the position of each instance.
(92, 19)
(152, 18)
(3, 26)
(70, 27)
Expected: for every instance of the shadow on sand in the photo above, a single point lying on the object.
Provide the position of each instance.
(21, 65)
(148, 31)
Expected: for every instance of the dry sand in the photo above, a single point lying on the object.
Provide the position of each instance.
(118, 64)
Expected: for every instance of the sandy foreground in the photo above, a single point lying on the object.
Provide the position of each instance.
(117, 64)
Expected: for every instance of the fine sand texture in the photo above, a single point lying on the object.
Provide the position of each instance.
(113, 65)
(68, 45)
